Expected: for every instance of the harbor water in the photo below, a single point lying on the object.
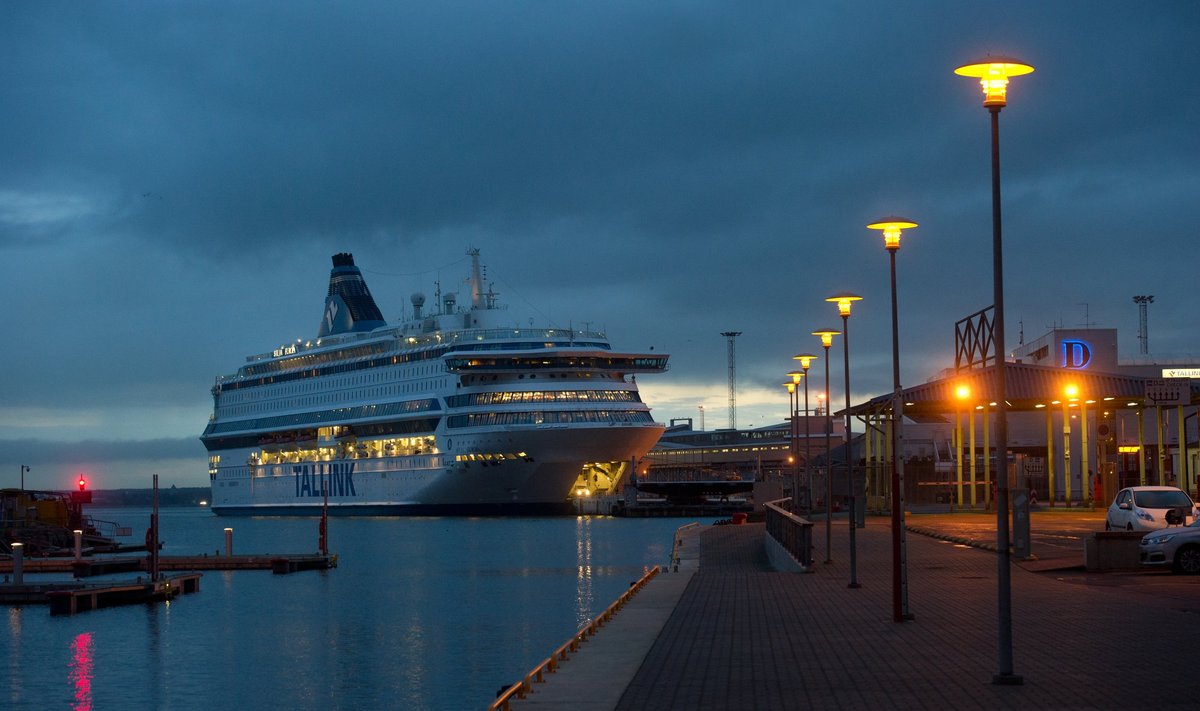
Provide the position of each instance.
(421, 613)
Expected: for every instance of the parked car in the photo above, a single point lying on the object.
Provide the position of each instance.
(1177, 546)
(1147, 508)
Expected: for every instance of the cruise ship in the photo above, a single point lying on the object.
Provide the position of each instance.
(452, 412)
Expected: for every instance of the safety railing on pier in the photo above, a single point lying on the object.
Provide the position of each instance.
(792, 532)
(550, 665)
(679, 543)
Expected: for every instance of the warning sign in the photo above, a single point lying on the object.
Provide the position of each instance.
(1168, 391)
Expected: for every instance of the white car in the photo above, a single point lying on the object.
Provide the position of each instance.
(1147, 508)
(1176, 546)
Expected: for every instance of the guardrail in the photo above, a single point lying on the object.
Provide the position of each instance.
(679, 544)
(792, 532)
(550, 665)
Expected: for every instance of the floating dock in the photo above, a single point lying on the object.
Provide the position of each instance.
(68, 601)
(88, 567)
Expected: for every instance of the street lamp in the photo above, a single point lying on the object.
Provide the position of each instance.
(993, 74)
(826, 335)
(24, 468)
(892, 226)
(843, 302)
(791, 388)
(796, 377)
(806, 360)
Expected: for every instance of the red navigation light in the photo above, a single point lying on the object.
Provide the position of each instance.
(82, 483)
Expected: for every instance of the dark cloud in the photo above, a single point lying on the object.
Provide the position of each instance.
(176, 176)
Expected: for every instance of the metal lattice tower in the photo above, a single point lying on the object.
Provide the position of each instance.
(730, 335)
(1143, 332)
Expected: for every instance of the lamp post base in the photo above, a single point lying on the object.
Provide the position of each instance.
(854, 586)
(1007, 680)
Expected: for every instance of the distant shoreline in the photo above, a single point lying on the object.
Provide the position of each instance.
(175, 496)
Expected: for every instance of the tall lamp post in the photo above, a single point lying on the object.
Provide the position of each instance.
(796, 377)
(826, 335)
(791, 388)
(993, 74)
(843, 302)
(892, 226)
(24, 468)
(806, 360)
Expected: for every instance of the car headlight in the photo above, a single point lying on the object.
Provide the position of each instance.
(1143, 515)
(1160, 539)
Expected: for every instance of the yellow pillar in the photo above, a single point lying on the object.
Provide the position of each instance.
(1181, 477)
(1161, 455)
(1141, 418)
(958, 454)
(987, 458)
(971, 439)
(1066, 454)
(1087, 485)
(1050, 468)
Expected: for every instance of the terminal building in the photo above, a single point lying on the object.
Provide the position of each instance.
(1082, 423)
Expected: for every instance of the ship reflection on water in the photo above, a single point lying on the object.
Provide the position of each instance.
(584, 596)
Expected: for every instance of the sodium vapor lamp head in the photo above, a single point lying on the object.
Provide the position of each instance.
(962, 392)
(843, 301)
(891, 227)
(993, 74)
(805, 359)
(796, 375)
(826, 335)
(791, 387)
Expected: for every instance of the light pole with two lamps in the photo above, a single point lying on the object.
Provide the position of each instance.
(993, 74)
(843, 302)
(892, 226)
(826, 335)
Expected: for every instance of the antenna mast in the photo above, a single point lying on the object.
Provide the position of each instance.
(1143, 334)
(730, 335)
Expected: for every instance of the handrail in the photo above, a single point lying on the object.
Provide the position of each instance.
(679, 544)
(550, 664)
(792, 532)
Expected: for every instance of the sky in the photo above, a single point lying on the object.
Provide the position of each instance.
(174, 177)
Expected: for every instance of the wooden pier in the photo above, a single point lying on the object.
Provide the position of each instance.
(68, 601)
(89, 567)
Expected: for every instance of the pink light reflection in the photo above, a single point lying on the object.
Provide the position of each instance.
(81, 670)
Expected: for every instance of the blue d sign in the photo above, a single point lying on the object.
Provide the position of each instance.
(1076, 354)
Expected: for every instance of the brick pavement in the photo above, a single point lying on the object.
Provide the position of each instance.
(742, 637)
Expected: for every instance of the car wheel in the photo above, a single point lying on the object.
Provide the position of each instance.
(1187, 560)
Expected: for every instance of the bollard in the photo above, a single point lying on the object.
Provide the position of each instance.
(228, 542)
(78, 545)
(18, 556)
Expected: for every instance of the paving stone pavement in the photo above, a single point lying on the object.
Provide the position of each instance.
(742, 637)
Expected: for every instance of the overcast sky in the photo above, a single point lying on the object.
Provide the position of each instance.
(174, 177)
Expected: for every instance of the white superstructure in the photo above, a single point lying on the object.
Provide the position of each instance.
(447, 413)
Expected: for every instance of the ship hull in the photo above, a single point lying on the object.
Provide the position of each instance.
(537, 483)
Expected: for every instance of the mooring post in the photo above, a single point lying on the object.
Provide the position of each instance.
(78, 545)
(228, 542)
(18, 557)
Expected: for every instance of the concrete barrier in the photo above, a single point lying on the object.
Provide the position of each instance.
(1112, 550)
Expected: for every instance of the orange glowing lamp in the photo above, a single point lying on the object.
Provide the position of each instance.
(826, 335)
(843, 302)
(962, 392)
(795, 375)
(1072, 391)
(892, 226)
(791, 387)
(993, 74)
(805, 359)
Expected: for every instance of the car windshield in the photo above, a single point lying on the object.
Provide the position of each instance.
(1161, 499)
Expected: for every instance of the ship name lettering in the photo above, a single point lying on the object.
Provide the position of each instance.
(310, 478)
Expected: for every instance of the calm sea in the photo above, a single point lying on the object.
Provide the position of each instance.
(425, 613)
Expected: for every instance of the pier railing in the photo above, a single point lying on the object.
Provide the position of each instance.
(792, 532)
(548, 666)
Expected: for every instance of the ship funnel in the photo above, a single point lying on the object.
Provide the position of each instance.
(349, 306)
(449, 301)
(418, 301)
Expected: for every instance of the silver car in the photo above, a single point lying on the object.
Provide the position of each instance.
(1177, 546)
(1149, 508)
